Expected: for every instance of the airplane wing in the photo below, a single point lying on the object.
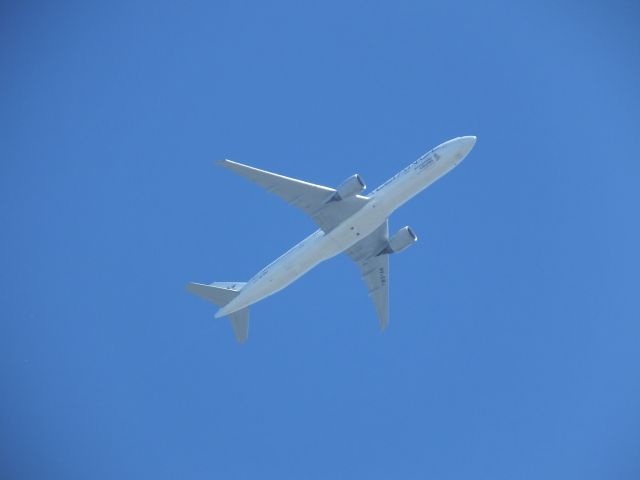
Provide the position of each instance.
(374, 268)
(310, 198)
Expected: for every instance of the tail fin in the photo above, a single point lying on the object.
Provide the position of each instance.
(240, 324)
(221, 293)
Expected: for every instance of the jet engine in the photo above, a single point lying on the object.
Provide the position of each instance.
(401, 240)
(350, 187)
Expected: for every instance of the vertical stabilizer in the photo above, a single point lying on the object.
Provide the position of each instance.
(240, 324)
(221, 293)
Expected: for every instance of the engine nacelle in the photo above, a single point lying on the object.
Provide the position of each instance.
(401, 240)
(350, 187)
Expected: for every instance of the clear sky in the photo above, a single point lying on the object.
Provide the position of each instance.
(513, 346)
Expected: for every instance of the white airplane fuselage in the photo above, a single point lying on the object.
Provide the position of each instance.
(320, 246)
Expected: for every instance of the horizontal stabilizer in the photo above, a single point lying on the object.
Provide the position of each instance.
(218, 293)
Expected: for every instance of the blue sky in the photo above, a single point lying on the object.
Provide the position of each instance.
(512, 350)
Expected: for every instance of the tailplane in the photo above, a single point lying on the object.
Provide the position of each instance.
(221, 293)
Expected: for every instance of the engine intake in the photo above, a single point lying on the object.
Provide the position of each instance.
(350, 187)
(402, 239)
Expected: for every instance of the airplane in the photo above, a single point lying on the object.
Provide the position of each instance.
(348, 222)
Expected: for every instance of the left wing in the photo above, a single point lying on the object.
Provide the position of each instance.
(374, 267)
(310, 198)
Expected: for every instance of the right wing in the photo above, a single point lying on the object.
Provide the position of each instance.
(374, 267)
(310, 198)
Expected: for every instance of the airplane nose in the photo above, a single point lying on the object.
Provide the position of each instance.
(467, 143)
(464, 146)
